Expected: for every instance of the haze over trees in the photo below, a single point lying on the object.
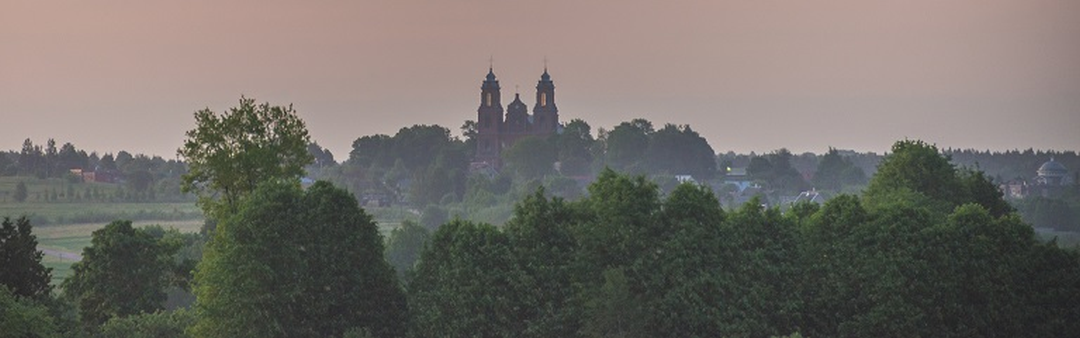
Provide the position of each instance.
(905, 259)
(923, 247)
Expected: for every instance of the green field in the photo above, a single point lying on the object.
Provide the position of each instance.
(63, 228)
(72, 238)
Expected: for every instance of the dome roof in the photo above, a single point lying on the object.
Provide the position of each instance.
(491, 74)
(1052, 168)
(517, 101)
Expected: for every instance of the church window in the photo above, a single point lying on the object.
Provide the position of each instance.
(543, 99)
(487, 99)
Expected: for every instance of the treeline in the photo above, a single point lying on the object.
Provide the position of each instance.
(928, 250)
(137, 177)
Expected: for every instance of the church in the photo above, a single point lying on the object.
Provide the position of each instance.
(496, 132)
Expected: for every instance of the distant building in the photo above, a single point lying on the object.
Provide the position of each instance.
(1051, 179)
(812, 196)
(1052, 173)
(495, 132)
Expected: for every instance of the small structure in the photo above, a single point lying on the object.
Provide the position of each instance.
(812, 196)
(1051, 179)
(1052, 173)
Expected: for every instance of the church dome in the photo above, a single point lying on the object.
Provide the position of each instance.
(1052, 169)
(517, 104)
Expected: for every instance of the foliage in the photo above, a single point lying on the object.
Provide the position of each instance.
(902, 259)
(625, 145)
(834, 172)
(291, 263)
(160, 324)
(229, 154)
(125, 271)
(404, 246)
(775, 170)
(20, 192)
(23, 318)
(464, 284)
(530, 157)
(679, 150)
(20, 260)
(574, 146)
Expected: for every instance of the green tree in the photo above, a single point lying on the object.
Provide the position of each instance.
(615, 311)
(228, 155)
(160, 324)
(679, 150)
(626, 144)
(123, 272)
(834, 172)
(23, 318)
(20, 260)
(918, 167)
(464, 284)
(296, 263)
(574, 147)
(20, 192)
(543, 245)
(404, 246)
(531, 157)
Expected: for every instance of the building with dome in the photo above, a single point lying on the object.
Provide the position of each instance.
(496, 132)
(1051, 179)
(1052, 173)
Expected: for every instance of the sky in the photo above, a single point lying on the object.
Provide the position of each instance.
(112, 75)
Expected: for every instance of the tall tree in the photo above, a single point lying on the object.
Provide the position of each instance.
(404, 246)
(626, 144)
(123, 272)
(574, 147)
(296, 263)
(232, 153)
(679, 150)
(464, 284)
(20, 260)
(20, 193)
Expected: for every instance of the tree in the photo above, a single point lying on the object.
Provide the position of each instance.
(296, 263)
(123, 272)
(626, 144)
(20, 192)
(463, 285)
(543, 246)
(21, 317)
(918, 167)
(404, 246)
(20, 260)
(160, 324)
(679, 150)
(574, 147)
(531, 157)
(228, 155)
(835, 171)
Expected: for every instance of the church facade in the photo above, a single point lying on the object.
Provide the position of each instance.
(496, 132)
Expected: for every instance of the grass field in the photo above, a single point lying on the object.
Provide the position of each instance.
(72, 238)
(65, 227)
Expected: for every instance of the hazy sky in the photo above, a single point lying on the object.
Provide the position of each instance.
(113, 75)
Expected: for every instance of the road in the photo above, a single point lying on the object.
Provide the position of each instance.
(64, 255)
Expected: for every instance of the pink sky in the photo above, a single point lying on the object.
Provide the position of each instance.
(113, 75)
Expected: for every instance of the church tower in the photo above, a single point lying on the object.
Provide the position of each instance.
(545, 113)
(489, 119)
